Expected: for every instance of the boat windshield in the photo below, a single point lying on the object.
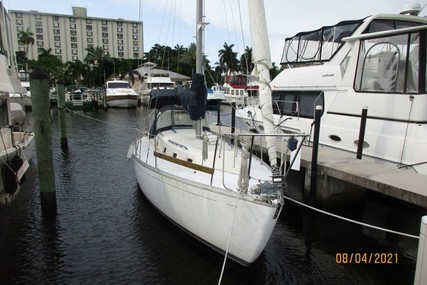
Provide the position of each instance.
(118, 85)
(319, 45)
(171, 117)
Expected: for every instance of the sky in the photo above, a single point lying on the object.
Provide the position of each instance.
(173, 22)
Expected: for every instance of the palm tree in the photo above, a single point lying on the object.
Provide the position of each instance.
(75, 70)
(97, 58)
(128, 69)
(246, 60)
(26, 38)
(228, 58)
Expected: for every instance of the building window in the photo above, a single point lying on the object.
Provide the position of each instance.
(120, 42)
(39, 30)
(119, 29)
(105, 41)
(57, 51)
(120, 48)
(89, 34)
(135, 37)
(89, 27)
(74, 57)
(19, 21)
(56, 24)
(105, 29)
(90, 40)
(105, 35)
(73, 32)
(72, 20)
(74, 52)
(57, 44)
(121, 54)
(57, 38)
(56, 31)
(39, 37)
(120, 36)
(39, 43)
(38, 16)
(55, 18)
(135, 48)
(135, 43)
(73, 39)
(135, 55)
(88, 21)
(19, 28)
(135, 31)
(72, 26)
(105, 47)
(18, 15)
(104, 22)
(119, 24)
(73, 45)
(134, 25)
(38, 23)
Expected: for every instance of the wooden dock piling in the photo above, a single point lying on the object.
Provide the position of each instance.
(61, 109)
(43, 138)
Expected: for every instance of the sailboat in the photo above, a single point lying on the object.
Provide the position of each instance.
(16, 141)
(210, 184)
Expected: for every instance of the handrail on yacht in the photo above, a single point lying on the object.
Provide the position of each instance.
(384, 33)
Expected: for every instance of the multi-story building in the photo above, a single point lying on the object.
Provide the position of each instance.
(69, 35)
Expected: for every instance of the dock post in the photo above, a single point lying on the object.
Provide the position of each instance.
(421, 269)
(43, 138)
(362, 132)
(61, 108)
(313, 176)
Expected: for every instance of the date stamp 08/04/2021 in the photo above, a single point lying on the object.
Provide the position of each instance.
(366, 258)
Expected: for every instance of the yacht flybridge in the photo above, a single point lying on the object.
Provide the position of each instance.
(378, 63)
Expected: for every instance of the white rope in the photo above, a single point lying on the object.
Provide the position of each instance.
(229, 240)
(350, 220)
(104, 122)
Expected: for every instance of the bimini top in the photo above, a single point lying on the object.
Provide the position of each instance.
(321, 45)
(317, 45)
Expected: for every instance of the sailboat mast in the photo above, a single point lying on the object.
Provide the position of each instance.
(199, 36)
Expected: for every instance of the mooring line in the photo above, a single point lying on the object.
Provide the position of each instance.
(101, 121)
(350, 220)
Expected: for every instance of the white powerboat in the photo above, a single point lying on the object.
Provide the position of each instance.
(376, 64)
(212, 188)
(120, 94)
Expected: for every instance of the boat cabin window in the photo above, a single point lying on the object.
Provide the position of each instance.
(391, 64)
(118, 85)
(317, 46)
(297, 103)
(171, 119)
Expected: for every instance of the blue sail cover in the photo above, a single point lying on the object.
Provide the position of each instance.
(194, 99)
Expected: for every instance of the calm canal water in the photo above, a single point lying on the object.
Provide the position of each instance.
(106, 232)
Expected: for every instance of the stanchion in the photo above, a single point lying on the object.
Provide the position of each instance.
(313, 176)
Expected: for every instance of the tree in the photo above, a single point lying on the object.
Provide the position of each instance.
(246, 61)
(26, 38)
(128, 69)
(228, 58)
(96, 57)
(75, 71)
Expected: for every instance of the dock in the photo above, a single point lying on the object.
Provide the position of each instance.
(341, 174)
(341, 177)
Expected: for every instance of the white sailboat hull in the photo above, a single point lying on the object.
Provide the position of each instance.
(206, 211)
